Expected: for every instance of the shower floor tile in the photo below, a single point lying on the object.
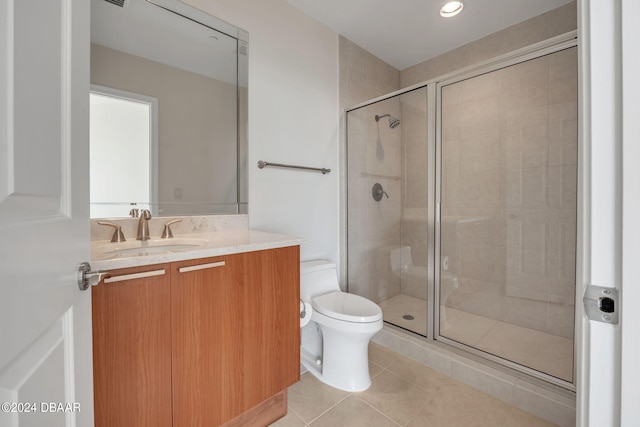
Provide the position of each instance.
(401, 305)
(464, 327)
(544, 352)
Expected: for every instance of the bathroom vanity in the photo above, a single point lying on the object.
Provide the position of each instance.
(197, 337)
(201, 329)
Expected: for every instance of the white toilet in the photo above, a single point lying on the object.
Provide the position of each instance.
(335, 342)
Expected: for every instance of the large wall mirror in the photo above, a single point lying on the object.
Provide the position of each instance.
(168, 110)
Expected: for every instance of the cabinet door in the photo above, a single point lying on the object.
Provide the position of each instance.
(271, 335)
(206, 322)
(132, 348)
(236, 333)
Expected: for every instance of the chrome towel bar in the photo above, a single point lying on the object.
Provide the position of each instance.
(262, 165)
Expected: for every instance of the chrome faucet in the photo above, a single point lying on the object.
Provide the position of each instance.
(143, 225)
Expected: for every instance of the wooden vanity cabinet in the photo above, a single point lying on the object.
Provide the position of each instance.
(132, 348)
(213, 341)
(235, 333)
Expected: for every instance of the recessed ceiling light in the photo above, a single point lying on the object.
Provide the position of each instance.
(451, 8)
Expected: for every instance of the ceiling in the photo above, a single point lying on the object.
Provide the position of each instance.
(406, 32)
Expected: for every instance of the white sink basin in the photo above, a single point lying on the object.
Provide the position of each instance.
(150, 247)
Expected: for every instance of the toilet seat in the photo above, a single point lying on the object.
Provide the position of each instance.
(348, 307)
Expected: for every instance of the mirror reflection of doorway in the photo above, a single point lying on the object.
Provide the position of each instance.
(123, 144)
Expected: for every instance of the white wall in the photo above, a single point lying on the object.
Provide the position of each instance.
(293, 118)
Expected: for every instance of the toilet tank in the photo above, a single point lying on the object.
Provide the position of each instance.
(317, 277)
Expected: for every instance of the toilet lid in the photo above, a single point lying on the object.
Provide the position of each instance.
(349, 307)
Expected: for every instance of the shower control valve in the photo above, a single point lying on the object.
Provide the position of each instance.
(377, 192)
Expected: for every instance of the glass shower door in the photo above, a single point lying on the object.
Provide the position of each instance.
(387, 207)
(508, 187)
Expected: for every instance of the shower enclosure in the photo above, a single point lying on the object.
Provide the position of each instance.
(461, 210)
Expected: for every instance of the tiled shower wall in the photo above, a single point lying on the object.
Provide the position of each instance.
(374, 156)
(371, 224)
(509, 192)
(363, 76)
(414, 231)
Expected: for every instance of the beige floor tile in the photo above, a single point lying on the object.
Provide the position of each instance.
(396, 398)
(449, 420)
(462, 401)
(353, 412)
(403, 393)
(418, 374)
(289, 420)
(520, 418)
(374, 369)
(309, 398)
(380, 356)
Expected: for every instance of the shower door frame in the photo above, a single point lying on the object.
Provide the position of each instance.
(437, 196)
(434, 165)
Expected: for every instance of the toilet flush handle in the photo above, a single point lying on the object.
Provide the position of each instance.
(303, 309)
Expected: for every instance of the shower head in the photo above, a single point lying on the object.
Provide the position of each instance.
(393, 122)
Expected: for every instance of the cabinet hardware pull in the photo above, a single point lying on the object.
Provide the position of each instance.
(201, 266)
(134, 276)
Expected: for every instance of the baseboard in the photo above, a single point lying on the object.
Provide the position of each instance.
(262, 414)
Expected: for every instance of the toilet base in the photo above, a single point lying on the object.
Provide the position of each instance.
(358, 381)
(344, 362)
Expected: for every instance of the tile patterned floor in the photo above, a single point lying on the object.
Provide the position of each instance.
(547, 353)
(403, 393)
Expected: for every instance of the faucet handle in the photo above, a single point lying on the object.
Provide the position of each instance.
(134, 212)
(118, 235)
(167, 233)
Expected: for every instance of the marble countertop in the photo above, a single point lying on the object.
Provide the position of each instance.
(133, 253)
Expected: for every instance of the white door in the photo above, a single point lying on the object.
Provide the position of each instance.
(45, 320)
(608, 377)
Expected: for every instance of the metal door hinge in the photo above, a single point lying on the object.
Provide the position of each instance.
(601, 304)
